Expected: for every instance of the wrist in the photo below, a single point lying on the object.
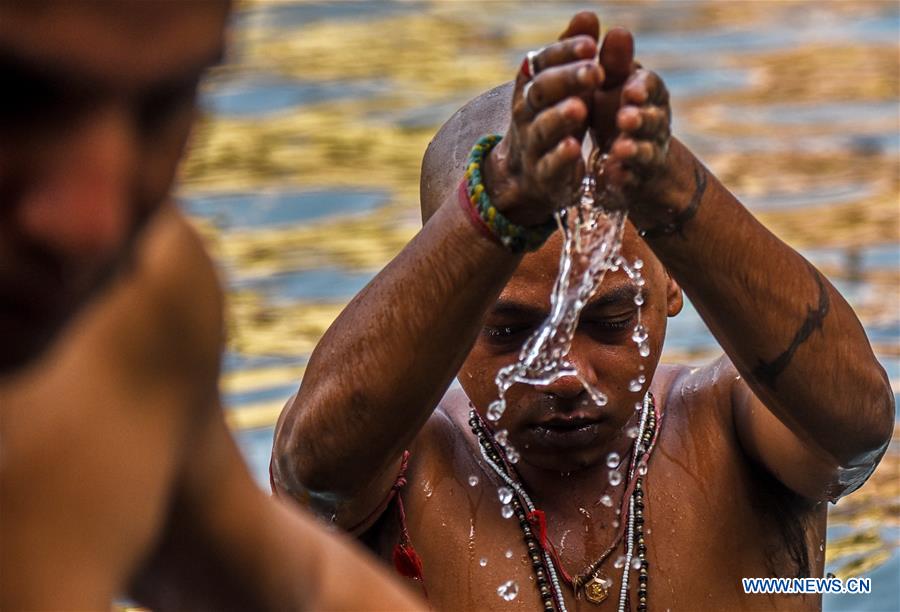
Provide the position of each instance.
(672, 199)
(514, 236)
(498, 180)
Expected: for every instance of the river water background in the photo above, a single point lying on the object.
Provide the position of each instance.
(303, 172)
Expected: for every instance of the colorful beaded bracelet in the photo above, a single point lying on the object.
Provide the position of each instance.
(516, 238)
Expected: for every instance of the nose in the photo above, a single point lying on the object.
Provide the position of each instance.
(76, 201)
(570, 387)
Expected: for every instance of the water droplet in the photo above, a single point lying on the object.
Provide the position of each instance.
(508, 554)
(495, 410)
(638, 406)
(509, 590)
(505, 494)
(642, 469)
(615, 524)
(632, 432)
(639, 299)
(613, 460)
(427, 488)
(620, 562)
(482, 562)
(473, 480)
(512, 455)
(634, 386)
(607, 501)
(642, 379)
(615, 477)
(639, 335)
(636, 564)
(821, 547)
(506, 511)
(501, 437)
(638, 264)
(644, 350)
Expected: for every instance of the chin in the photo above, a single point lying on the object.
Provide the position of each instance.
(564, 463)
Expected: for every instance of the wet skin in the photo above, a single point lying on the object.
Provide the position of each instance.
(710, 514)
(118, 475)
(749, 451)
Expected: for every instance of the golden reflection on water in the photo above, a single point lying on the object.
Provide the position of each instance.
(416, 62)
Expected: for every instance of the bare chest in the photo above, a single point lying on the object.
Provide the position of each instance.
(87, 464)
(703, 533)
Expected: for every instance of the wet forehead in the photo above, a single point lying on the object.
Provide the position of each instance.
(122, 43)
(533, 280)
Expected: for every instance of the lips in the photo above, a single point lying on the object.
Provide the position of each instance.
(566, 431)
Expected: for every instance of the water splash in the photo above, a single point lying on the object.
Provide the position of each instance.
(592, 238)
(613, 460)
(512, 455)
(509, 590)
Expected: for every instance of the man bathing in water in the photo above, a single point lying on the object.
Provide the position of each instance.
(746, 452)
(117, 472)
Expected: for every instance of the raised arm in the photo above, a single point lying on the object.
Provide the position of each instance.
(812, 403)
(382, 367)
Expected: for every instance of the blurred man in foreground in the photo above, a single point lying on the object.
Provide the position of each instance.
(722, 472)
(117, 473)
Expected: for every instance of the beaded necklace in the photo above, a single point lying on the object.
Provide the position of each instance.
(543, 556)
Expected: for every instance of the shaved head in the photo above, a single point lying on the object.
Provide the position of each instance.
(445, 158)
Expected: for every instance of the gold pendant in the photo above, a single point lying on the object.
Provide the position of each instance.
(596, 589)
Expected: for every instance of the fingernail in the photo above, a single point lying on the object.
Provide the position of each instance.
(584, 75)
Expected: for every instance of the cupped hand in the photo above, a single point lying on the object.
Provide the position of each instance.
(537, 167)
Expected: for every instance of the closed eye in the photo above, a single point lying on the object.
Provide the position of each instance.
(506, 335)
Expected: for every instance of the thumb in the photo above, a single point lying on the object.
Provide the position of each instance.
(584, 23)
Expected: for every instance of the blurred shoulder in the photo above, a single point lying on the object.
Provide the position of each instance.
(171, 301)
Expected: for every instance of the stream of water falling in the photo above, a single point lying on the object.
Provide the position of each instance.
(592, 228)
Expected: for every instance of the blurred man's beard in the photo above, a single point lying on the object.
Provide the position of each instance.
(26, 344)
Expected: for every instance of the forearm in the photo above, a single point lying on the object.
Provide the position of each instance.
(384, 364)
(792, 336)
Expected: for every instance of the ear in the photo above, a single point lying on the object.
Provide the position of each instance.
(674, 296)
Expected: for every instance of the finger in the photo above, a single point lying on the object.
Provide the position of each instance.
(560, 170)
(645, 87)
(583, 23)
(554, 85)
(565, 52)
(638, 155)
(617, 57)
(644, 122)
(555, 123)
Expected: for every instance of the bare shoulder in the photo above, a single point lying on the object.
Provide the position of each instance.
(445, 433)
(180, 275)
(170, 302)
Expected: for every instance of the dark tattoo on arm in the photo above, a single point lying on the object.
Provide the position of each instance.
(768, 372)
(676, 225)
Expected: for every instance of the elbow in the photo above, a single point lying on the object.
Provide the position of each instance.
(287, 472)
(874, 433)
(296, 468)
